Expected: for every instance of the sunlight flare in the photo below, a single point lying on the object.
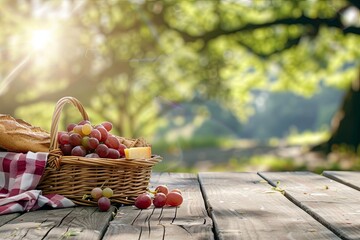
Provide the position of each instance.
(40, 39)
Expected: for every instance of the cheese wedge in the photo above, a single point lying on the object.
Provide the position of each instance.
(137, 152)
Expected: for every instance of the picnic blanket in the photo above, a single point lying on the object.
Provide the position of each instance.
(20, 174)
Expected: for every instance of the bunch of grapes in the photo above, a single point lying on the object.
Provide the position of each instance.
(85, 140)
(162, 197)
(103, 197)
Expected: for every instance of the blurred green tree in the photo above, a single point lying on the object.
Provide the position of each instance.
(120, 57)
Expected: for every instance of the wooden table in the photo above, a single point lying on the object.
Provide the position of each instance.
(222, 205)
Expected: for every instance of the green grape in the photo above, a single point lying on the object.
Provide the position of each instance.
(86, 129)
(107, 192)
(85, 142)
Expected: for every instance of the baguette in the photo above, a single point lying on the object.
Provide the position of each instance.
(16, 135)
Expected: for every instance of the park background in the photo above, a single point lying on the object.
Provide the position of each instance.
(213, 85)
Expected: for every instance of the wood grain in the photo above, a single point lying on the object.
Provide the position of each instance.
(335, 205)
(298, 205)
(189, 221)
(8, 217)
(69, 223)
(244, 206)
(350, 178)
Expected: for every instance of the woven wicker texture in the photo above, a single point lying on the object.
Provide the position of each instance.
(73, 176)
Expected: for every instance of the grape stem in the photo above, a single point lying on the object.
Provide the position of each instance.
(152, 192)
(103, 184)
(85, 196)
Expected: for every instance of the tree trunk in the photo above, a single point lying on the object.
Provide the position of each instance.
(346, 122)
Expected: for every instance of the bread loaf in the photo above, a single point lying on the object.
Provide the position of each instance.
(17, 135)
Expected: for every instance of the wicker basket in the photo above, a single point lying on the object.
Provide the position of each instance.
(73, 176)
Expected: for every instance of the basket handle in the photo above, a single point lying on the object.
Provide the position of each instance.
(56, 117)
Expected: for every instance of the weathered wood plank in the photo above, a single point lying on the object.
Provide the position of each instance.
(8, 217)
(189, 221)
(75, 223)
(36, 223)
(244, 206)
(83, 223)
(350, 178)
(335, 205)
(176, 232)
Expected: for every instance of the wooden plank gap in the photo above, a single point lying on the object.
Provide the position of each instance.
(243, 207)
(172, 221)
(160, 215)
(303, 207)
(349, 178)
(136, 217)
(207, 204)
(164, 232)
(8, 217)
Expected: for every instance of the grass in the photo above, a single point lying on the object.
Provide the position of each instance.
(307, 137)
(266, 163)
(341, 159)
(258, 163)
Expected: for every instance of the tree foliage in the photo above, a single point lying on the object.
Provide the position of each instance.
(123, 59)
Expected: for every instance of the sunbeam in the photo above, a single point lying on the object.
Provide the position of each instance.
(11, 76)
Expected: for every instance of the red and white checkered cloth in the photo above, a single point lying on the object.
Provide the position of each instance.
(19, 176)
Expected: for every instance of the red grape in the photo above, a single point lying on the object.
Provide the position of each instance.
(174, 199)
(176, 190)
(121, 149)
(112, 142)
(60, 133)
(66, 149)
(93, 143)
(102, 150)
(75, 139)
(104, 204)
(78, 151)
(159, 200)
(64, 138)
(103, 131)
(107, 125)
(83, 139)
(78, 129)
(113, 153)
(70, 127)
(162, 189)
(95, 134)
(96, 193)
(92, 155)
(143, 201)
(84, 122)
